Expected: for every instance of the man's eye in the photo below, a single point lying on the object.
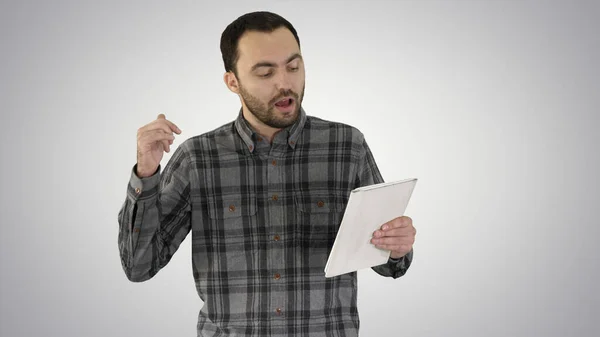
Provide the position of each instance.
(265, 75)
(294, 69)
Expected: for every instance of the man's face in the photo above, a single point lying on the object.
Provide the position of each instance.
(270, 77)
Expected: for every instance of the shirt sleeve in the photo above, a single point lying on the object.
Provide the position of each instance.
(368, 174)
(395, 268)
(154, 218)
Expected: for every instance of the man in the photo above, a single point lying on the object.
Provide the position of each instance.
(263, 197)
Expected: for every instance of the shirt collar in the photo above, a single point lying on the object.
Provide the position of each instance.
(248, 134)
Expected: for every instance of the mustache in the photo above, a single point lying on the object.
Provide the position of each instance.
(282, 95)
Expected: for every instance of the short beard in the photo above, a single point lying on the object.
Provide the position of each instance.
(266, 113)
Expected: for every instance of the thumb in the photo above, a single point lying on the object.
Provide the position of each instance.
(161, 116)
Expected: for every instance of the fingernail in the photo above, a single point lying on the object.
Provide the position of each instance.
(385, 227)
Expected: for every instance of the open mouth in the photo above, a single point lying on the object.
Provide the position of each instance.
(284, 103)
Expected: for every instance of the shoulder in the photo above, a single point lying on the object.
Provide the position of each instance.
(206, 141)
(339, 129)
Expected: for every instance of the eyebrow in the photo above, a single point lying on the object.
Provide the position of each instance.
(271, 64)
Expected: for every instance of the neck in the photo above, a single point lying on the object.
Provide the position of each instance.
(261, 128)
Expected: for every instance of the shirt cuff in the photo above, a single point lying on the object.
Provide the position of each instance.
(401, 264)
(143, 188)
(392, 260)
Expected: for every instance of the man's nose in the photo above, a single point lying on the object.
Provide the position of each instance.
(283, 81)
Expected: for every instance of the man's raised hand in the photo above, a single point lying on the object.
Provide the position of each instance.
(153, 139)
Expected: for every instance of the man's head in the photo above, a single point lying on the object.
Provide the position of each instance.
(264, 66)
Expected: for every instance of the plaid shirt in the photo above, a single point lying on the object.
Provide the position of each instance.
(263, 219)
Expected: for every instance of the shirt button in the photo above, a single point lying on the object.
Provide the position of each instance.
(250, 147)
(137, 190)
(276, 238)
(278, 311)
(259, 139)
(231, 208)
(275, 197)
(137, 230)
(274, 162)
(320, 203)
(277, 276)
(292, 142)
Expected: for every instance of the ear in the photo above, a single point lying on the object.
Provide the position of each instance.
(231, 82)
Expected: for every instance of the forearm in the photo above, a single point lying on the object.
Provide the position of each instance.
(144, 245)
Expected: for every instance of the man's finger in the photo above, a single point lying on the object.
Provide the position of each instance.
(166, 146)
(396, 240)
(155, 136)
(393, 248)
(171, 125)
(397, 223)
(403, 231)
(158, 124)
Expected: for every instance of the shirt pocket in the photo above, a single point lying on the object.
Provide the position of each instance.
(232, 233)
(318, 217)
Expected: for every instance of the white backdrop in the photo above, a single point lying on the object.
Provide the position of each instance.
(493, 105)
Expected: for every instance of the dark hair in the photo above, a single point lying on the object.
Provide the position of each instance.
(255, 21)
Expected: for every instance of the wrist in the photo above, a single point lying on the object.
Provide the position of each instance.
(141, 173)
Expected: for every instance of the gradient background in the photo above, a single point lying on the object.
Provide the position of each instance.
(493, 105)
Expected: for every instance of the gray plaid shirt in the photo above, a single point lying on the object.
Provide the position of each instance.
(263, 219)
